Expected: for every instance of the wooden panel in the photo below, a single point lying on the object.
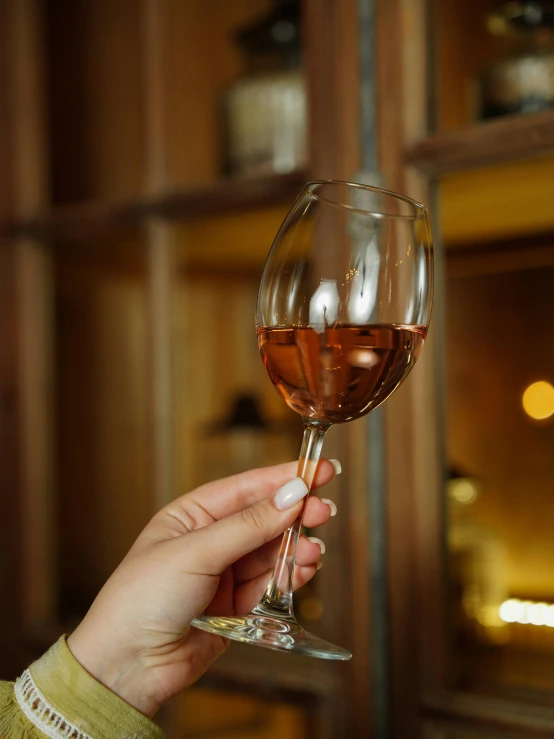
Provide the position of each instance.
(496, 203)
(155, 27)
(96, 124)
(103, 427)
(6, 150)
(333, 88)
(526, 254)
(27, 109)
(508, 718)
(413, 462)
(233, 242)
(203, 60)
(460, 27)
(38, 525)
(10, 544)
(10, 612)
(215, 327)
(121, 422)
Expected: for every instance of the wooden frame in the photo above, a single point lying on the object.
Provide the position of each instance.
(412, 435)
(335, 73)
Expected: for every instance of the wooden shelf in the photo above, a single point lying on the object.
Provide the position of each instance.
(495, 142)
(282, 676)
(86, 221)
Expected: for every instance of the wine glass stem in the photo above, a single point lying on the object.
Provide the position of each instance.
(277, 599)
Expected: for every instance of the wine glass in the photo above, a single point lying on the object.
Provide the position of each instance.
(343, 311)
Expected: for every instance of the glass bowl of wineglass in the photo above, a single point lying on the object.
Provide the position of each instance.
(343, 311)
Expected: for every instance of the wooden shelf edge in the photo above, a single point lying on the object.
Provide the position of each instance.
(86, 221)
(492, 142)
(495, 713)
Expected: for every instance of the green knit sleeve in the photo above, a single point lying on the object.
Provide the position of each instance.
(13, 722)
(57, 698)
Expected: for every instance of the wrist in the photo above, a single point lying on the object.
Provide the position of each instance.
(111, 665)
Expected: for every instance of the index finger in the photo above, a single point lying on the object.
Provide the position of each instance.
(224, 497)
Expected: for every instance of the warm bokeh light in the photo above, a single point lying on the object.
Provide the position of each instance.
(526, 612)
(538, 400)
(463, 490)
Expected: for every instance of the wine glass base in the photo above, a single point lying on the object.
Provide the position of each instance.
(282, 635)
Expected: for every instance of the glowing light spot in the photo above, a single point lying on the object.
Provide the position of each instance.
(538, 400)
(524, 617)
(464, 491)
(366, 358)
(537, 614)
(510, 611)
(525, 612)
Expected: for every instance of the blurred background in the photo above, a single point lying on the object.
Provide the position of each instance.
(149, 150)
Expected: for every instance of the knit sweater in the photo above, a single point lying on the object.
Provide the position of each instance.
(56, 697)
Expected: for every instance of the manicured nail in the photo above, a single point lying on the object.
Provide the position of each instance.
(319, 565)
(336, 466)
(315, 540)
(331, 505)
(290, 494)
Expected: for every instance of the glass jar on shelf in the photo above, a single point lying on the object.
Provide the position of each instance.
(265, 111)
(523, 81)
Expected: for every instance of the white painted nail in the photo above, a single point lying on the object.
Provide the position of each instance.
(315, 540)
(319, 565)
(336, 466)
(331, 505)
(290, 494)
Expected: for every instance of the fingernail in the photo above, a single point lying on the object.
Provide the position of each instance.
(315, 540)
(319, 565)
(290, 494)
(331, 505)
(336, 466)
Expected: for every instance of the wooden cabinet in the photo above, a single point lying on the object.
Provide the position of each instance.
(470, 587)
(128, 273)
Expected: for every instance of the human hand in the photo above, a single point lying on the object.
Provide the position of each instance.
(212, 551)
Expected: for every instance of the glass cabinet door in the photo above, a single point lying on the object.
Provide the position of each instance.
(500, 441)
(498, 358)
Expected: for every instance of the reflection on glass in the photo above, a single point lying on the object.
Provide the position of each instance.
(324, 306)
(363, 284)
(500, 372)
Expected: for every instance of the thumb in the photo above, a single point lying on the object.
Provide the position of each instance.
(215, 547)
